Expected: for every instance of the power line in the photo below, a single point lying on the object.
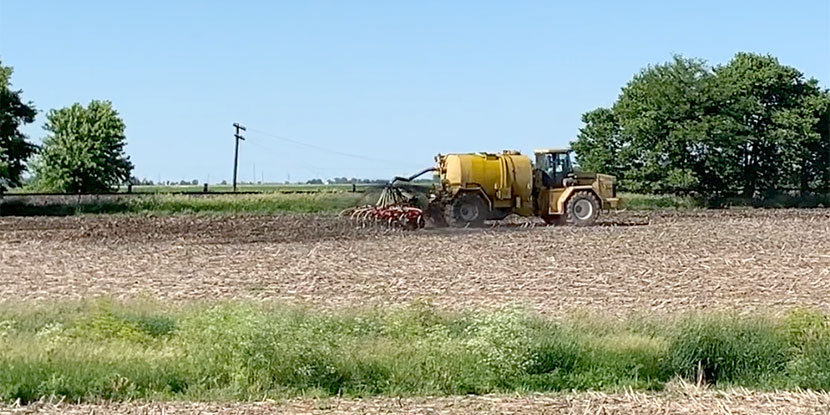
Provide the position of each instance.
(324, 149)
(305, 166)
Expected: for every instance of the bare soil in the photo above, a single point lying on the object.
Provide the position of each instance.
(691, 401)
(671, 262)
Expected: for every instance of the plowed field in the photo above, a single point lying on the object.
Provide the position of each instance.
(658, 262)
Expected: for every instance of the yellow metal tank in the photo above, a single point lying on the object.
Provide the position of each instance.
(505, 179)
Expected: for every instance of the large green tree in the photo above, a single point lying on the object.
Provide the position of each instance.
(14, 113)
(84, 150)
(752, 126)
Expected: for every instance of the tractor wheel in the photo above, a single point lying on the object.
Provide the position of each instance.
(582, 209)
(467, 210)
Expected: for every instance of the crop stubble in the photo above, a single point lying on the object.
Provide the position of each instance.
(663, 262)
(683, 400)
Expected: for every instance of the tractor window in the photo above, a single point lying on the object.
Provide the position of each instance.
(574, 160)
(563, 163)
(550, 165)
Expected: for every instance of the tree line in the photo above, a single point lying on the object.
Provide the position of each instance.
(751, 128)
(82, 152)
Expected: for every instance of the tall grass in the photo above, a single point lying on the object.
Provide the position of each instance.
(266, 203)
(104, 350)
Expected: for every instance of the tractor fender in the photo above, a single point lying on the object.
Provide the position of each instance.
(569, 191)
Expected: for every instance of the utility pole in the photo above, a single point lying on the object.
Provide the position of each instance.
(238, 137)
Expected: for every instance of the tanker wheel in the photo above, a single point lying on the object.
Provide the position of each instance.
(467, 210)
(582, 209)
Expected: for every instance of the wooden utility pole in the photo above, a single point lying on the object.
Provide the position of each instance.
(238, 137)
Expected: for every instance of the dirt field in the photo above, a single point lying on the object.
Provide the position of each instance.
(663, 262)
(687, 402)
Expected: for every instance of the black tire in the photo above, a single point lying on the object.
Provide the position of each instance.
(582, 209)
(467, 209)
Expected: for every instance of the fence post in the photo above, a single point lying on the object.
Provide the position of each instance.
(205, 190)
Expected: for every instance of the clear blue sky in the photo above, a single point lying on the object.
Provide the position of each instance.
(394, 81)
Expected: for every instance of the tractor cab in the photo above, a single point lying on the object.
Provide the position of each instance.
(554, 166)
(564, 194)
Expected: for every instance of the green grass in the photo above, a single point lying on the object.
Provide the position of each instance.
(266, 203)
(636, 201)
(264, 188)
(257, 203)
(106, 350)
(226, 188)
(322, 199)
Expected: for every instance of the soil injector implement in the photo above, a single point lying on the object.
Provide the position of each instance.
(398, 205)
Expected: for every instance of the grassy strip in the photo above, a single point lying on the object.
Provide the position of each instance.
(173, 204)
(657, 202)
(103, 350)
(654, 202)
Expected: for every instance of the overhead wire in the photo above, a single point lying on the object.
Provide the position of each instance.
(305, 166)
(325, 149)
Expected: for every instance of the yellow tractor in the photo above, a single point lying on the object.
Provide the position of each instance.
(487, 186)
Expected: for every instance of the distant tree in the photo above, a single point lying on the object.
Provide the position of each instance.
(135, 181)
(314, 181)
(224, 183)
(84, 150)
(751, 127)
(194, 182)
(14, 113)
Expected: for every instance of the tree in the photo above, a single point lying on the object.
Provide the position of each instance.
(600, 145)
(84, 150)
(773, 116)
(14, 113)
(752, 126)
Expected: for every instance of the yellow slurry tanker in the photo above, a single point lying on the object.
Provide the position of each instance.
(485, 186)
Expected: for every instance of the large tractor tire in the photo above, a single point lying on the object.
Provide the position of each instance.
(467, 209)
(582, 209)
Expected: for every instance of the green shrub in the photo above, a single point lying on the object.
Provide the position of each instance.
(729, 349)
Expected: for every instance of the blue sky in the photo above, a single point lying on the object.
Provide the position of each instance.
(391, 82)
